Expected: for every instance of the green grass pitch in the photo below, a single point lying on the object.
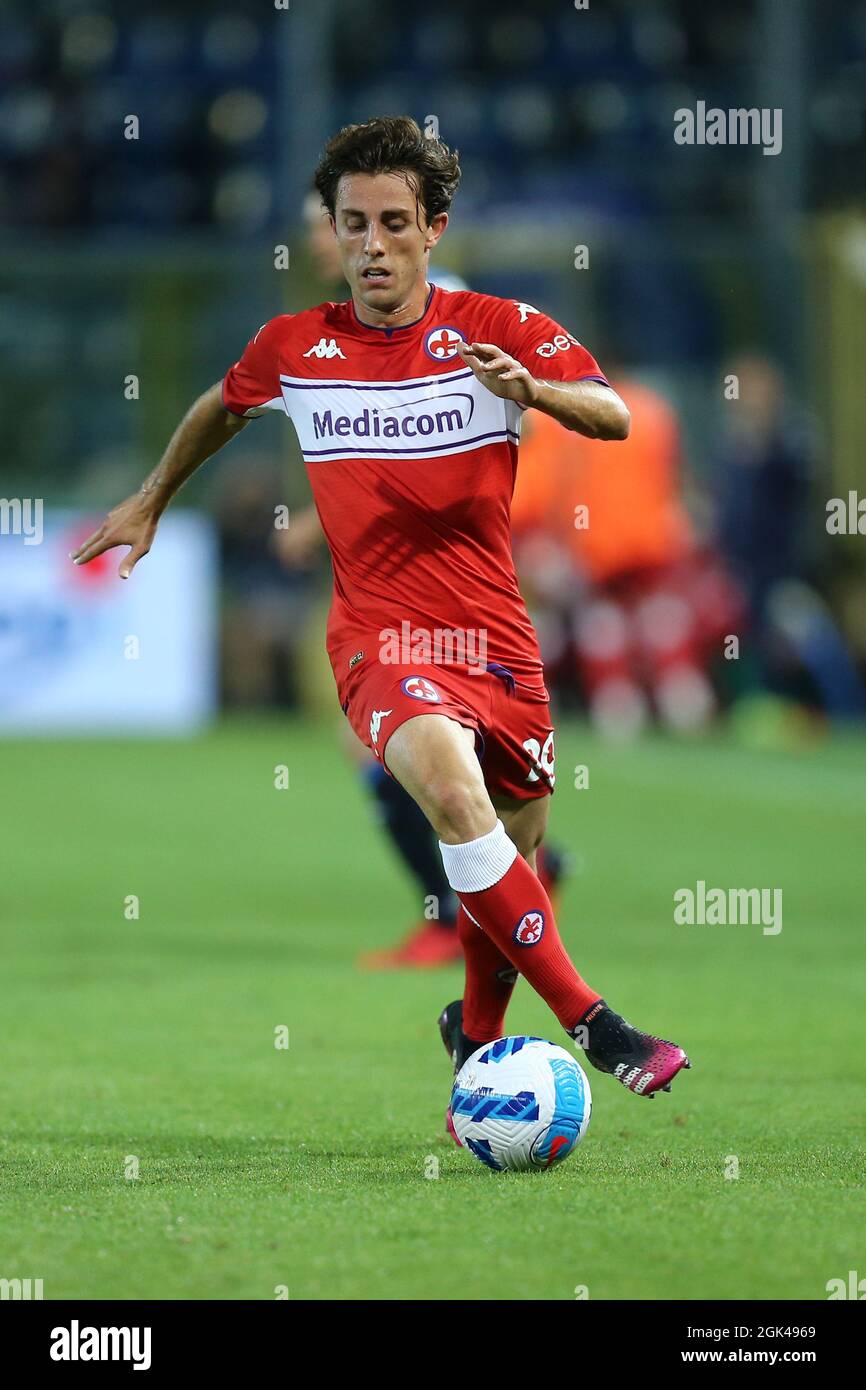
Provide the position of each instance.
(148, 1045)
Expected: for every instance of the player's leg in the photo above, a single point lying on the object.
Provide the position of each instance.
(490, 976)
(409, 832)
(611, 1044)
(433, 757)
(436, 941)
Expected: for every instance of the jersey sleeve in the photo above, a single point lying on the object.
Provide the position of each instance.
(543, 346)
(252, 385)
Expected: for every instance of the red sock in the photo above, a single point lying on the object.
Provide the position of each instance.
(490, 981)
(501, 893)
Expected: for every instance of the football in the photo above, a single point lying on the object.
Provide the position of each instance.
(519, 1104)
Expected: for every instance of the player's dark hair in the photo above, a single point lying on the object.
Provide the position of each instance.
(391, 145)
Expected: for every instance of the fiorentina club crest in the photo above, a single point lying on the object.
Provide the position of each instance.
(529, 929)
(441, 343)
(421, 689)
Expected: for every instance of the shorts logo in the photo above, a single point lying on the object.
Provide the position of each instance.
(529, 929)
(376, 723)
(421, 689)
(441, 343)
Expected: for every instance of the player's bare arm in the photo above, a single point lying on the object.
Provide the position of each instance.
(298, 544)
(205, 428)
(589, 407)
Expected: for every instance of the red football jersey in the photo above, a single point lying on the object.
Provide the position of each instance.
(411, 462)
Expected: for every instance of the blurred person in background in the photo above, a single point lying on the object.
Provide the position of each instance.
(640, 606)
(766, 470)
(265, 604)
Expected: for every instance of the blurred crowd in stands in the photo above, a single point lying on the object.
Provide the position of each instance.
(547, 102)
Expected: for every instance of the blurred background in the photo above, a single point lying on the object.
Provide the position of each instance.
(155, 166)
(193, 866)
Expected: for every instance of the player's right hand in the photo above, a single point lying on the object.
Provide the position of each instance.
(297, 545)
(132, 523)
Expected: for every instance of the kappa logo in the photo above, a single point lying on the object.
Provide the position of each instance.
(325, 347)
(529, 929)
(441, 343)
(376, 723)
(525, 309)
(421, 689)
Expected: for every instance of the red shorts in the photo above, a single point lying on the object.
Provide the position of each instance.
(514, 735)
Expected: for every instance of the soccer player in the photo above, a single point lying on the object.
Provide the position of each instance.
(435, 941)
(407, 402)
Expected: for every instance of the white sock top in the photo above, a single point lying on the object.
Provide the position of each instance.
(478, 864)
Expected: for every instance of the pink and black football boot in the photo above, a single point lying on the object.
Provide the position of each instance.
(642, 1062)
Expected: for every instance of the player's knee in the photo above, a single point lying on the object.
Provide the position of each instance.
(459, 810)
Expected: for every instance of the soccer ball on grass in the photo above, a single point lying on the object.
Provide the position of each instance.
(519, 1104)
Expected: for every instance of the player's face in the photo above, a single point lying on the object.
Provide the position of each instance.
(383, 248)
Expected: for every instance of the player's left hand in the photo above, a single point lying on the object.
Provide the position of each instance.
(501, 374)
